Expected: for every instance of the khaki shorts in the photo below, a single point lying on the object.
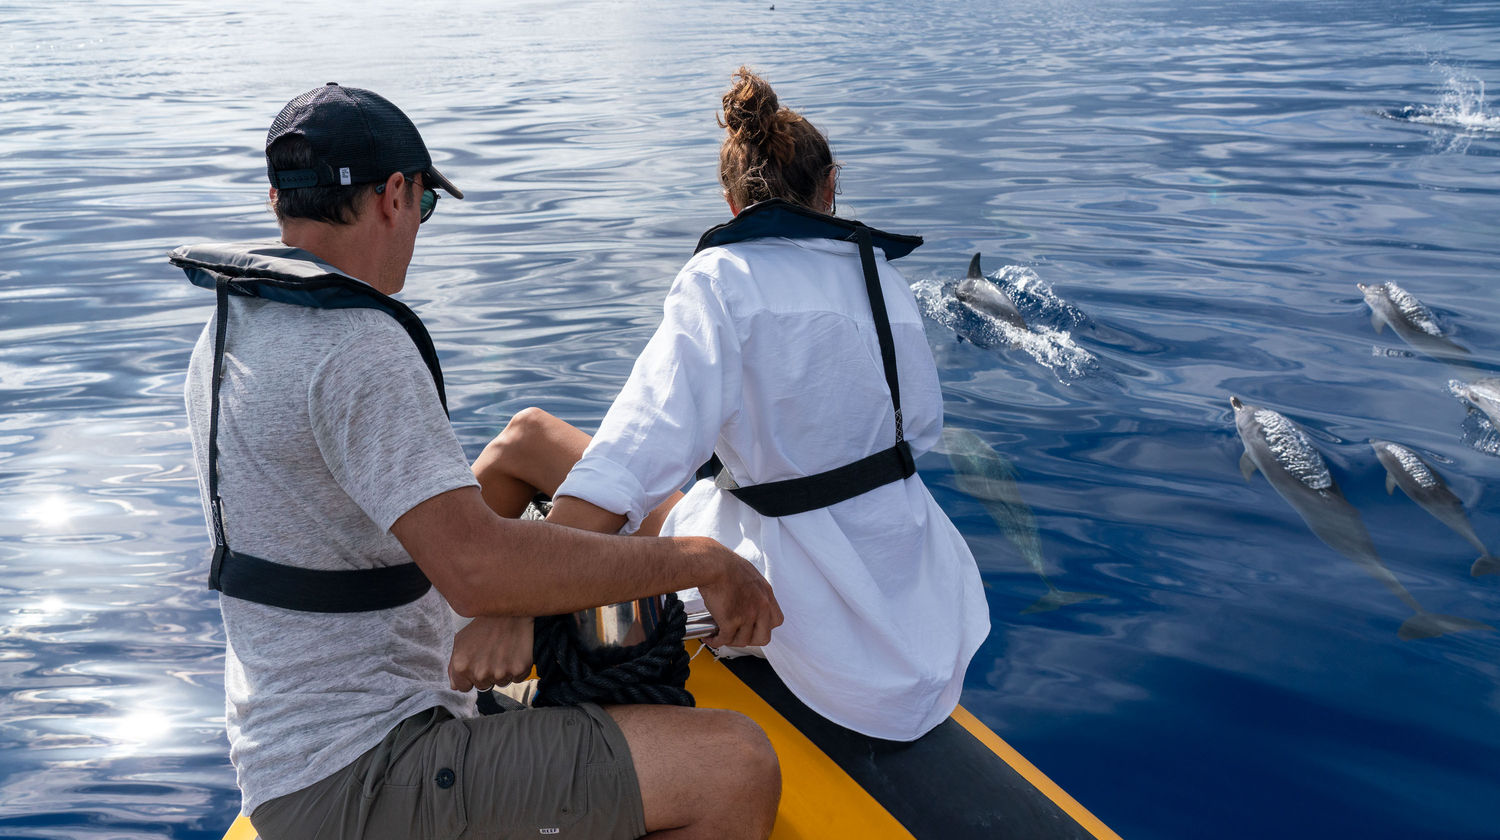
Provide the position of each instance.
(532, 773)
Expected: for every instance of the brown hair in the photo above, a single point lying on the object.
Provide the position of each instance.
(337, 205)
(770, 151)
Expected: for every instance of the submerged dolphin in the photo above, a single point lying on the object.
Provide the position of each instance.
(1405, 469)
(986, 297)
(1484, 394)
(986, 475)
(1296, 470)
(1408, 318)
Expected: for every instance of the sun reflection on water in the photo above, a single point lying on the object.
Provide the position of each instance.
(41, 613)
(138, 730)
(53, 511)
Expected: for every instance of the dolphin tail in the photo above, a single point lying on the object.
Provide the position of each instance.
(1058, 598)
(1487, 564)
(1426, 625)
(974, 267)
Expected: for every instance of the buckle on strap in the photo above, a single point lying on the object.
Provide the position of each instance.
(221, 545)
(908, 463)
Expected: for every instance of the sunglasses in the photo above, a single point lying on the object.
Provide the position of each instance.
(429, 197)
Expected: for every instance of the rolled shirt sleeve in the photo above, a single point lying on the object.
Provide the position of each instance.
(666, 420)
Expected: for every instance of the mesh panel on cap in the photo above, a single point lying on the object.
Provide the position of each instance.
(353, 129)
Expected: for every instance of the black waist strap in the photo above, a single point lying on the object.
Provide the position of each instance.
(799, 495)
(251, 578)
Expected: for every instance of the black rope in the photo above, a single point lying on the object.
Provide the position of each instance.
(653, 671)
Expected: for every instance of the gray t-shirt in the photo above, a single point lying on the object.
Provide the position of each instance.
(330, 430)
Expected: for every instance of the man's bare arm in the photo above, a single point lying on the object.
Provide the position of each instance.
(487, 565)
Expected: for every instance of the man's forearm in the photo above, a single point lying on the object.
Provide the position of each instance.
(487, 565)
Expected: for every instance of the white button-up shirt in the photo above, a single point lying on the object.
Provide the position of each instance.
(767, 355)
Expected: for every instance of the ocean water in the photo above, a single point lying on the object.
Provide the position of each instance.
(1180, 196)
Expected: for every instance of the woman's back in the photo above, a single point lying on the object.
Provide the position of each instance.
(768, 355)
(882, 600)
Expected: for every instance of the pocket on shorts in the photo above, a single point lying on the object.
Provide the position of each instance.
(423, 791)
(551, 774)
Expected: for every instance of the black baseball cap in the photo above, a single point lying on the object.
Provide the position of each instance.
(357, 136)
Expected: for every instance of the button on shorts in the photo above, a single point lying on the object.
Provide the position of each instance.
(530, 773)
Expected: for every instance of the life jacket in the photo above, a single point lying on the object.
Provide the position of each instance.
(779, 218)
(290, 275)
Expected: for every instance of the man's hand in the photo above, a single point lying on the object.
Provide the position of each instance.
(740, 600)
(489, 652)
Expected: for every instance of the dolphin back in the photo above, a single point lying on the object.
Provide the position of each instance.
(988, 476)
(1428, 625)
(1422, 484)
(1412, 311)
(1056, 599)
(1483, 394)
(1292, 450)
(985, 296)
(979, 470)
(1409, 318)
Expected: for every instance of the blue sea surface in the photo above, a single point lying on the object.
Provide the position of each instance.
(1181, 196)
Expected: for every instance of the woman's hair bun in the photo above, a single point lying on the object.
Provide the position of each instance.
(770, 151)
(751, 110)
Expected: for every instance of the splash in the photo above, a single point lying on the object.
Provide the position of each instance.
(1033, 294)
(1462, 107)
(1049, 341)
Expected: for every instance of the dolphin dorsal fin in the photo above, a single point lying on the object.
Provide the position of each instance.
(974, 271)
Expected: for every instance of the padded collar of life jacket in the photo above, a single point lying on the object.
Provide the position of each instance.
(276, 272)
(781, 218)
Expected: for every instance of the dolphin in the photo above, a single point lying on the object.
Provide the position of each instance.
(1296, 470)
(1405, 469)
(1408, 318)
(984, 296)
(987, 476)
(1483, 394)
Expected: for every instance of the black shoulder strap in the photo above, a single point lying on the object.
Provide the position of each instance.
(252, 578)
(805, 493)
(882, 321)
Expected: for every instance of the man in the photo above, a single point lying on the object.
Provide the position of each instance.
(325, 458)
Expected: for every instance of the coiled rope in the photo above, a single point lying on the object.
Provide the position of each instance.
(652, 671)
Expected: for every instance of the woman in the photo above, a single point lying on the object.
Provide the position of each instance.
(769, 357)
